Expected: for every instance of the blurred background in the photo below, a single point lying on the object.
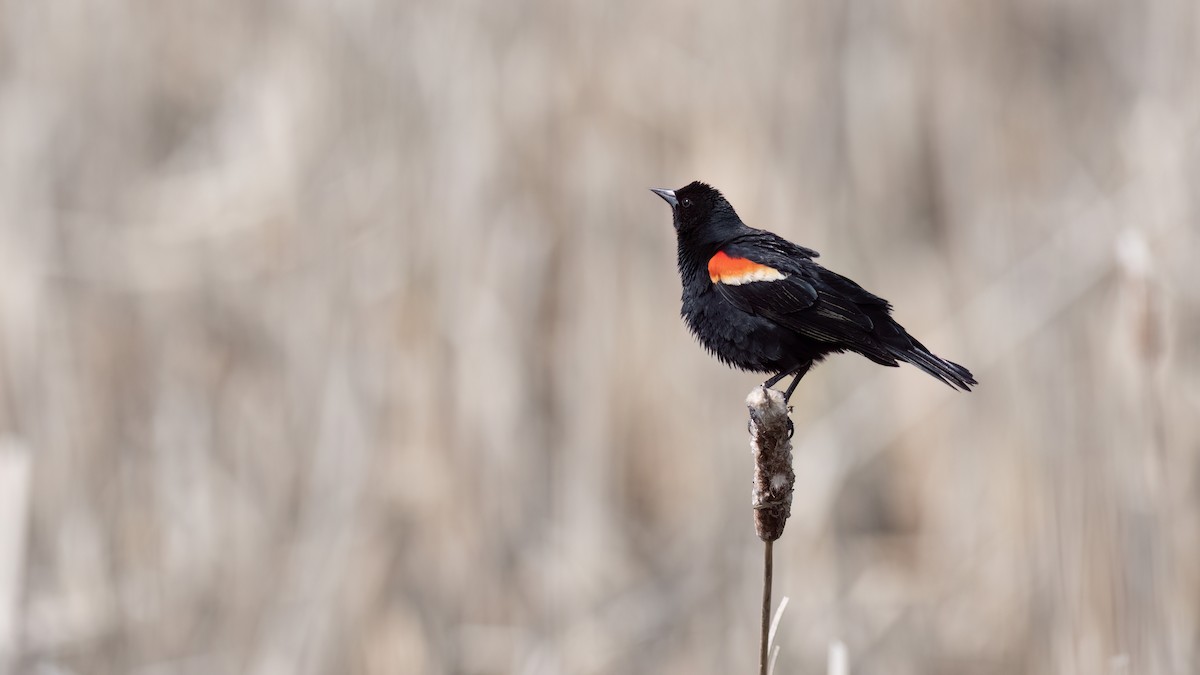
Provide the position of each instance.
(344, 337)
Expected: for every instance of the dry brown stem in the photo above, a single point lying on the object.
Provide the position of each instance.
(774, 479)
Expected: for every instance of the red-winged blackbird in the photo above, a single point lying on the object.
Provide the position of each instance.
(760, 303)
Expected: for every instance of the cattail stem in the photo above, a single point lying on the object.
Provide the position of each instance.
(774, 479)
(765, 638)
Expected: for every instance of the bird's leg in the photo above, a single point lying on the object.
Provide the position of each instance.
(800, 373)
(775, 379)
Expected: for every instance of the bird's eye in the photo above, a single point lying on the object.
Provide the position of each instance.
(686, 202)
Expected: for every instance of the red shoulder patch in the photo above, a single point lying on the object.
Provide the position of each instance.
(725, 269)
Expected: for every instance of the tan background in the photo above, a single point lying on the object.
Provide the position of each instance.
(344, 338)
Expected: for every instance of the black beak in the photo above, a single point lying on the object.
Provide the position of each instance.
(667, 195)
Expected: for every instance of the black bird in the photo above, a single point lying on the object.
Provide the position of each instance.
(761, 303)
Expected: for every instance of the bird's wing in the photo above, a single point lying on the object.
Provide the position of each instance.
(775, 279)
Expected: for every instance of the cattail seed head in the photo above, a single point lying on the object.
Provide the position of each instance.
(771, 445)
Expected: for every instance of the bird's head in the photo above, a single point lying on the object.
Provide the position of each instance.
(700, 211)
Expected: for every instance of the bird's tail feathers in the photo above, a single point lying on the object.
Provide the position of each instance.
(949, 372)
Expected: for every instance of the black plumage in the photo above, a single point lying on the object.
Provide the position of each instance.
(761, 303)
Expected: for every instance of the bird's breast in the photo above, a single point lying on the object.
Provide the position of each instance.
(738, 338)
